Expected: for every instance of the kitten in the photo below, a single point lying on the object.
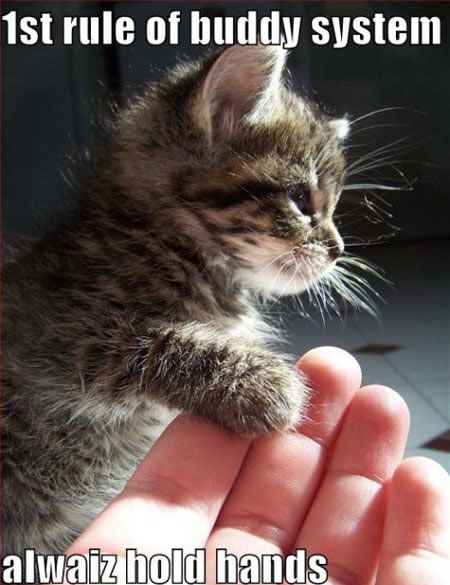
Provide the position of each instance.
(218, 184)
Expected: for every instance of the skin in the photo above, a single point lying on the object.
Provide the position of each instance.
(337, 486)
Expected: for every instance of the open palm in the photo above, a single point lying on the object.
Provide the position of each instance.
(335, 487)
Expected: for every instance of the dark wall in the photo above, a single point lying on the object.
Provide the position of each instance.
(52, 96)
(359, 80)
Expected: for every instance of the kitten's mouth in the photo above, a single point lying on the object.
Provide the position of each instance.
(310, 261)
(307, 270)
(289, 272)
(301, 271)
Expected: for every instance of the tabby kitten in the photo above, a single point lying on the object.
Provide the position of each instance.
(218, 183)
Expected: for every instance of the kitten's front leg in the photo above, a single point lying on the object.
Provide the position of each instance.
(190, 367)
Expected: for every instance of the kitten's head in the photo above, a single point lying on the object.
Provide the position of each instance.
(255, 171)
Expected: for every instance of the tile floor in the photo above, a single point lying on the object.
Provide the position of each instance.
(416, 317)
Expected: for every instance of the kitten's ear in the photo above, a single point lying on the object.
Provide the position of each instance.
(340, 128)
(241, 82)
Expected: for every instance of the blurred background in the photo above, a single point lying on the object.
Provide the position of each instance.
(397, 97)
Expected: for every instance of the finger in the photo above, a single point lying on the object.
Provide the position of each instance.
(281, 473)
(175, 495)
(416, 543)
(346, 519)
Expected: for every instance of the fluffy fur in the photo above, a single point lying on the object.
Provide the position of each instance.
(218, 184)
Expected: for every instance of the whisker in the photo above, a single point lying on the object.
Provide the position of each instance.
(270, 264)
(385, 149)
(382, 110)
(375, 186)
(272, 286)
(376, 126)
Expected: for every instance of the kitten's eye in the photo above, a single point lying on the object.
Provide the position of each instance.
(301, 197)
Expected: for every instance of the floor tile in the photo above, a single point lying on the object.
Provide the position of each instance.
(377, 370)
(438, 393)
(305, 336)
(421, 363)
(426, 423)
(406, 321)
(438, 456)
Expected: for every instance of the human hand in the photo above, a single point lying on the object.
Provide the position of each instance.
(335, 487)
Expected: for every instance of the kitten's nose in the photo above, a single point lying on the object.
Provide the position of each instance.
(335, 244)
(335, 249)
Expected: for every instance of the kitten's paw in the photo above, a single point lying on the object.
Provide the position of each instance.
(267, 396)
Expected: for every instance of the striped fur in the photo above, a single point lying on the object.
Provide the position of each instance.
(217, 184)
